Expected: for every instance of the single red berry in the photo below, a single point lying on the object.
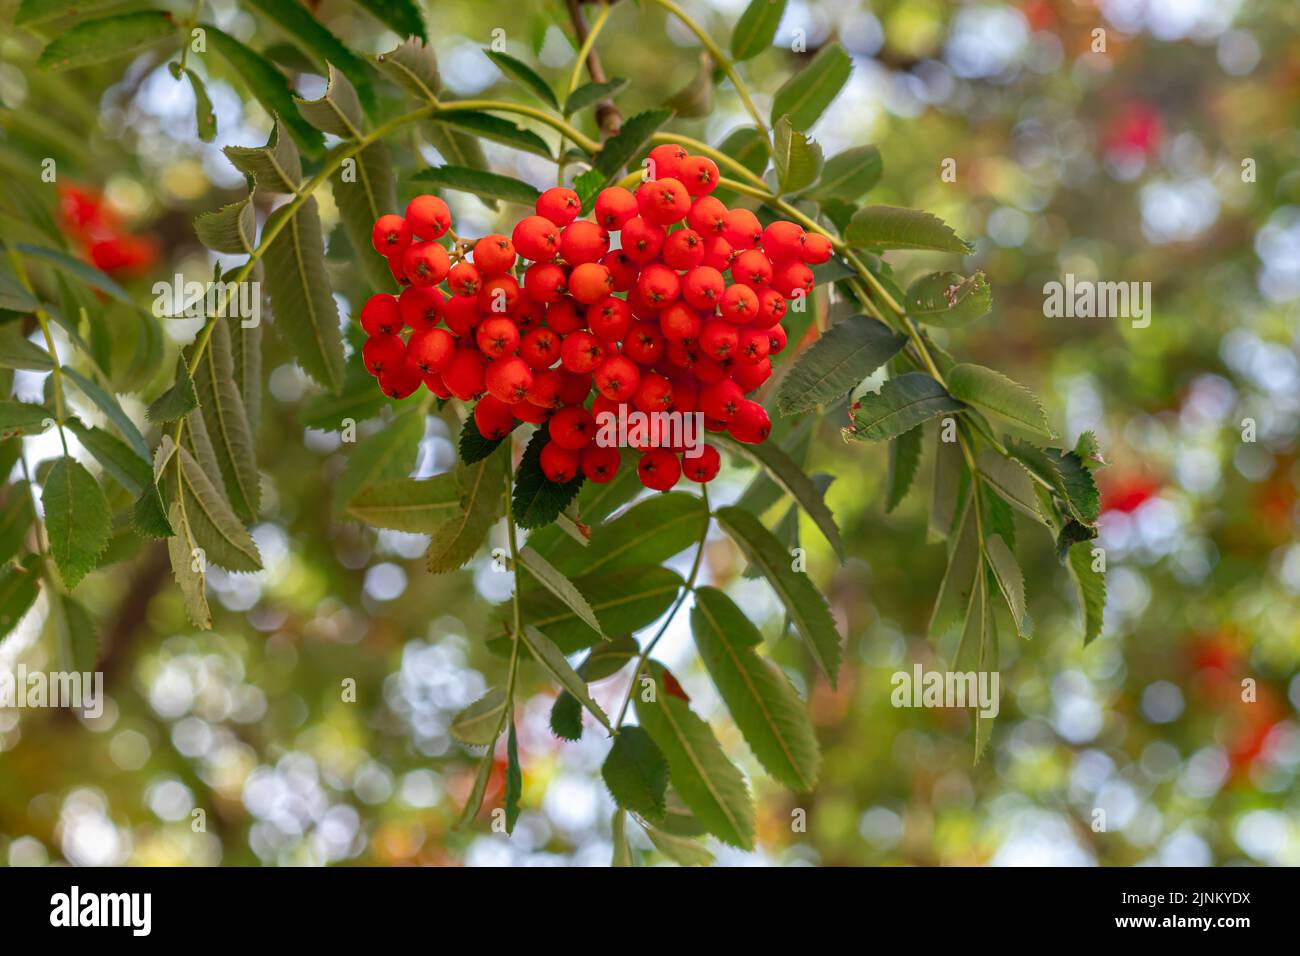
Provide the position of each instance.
(753, 346)
(545, 282)
(663, 201)
(609, 319)
(400, 381)
(778, 337)
(565, 316)
(572, 427)
(644, 343)
(462, 314)
(581, 352)
(642, 239)
(536, 238)
(720, 400)
(559, 204)
(683, 249)
(743, 230)
(703, 287)
(583, 241)
(425, 263)
(682, 355)
(383, 352)
(816, 248)
(421, 306)
(617, 378)
(493, 418)
(653, 394)
(642, 309)
(771, 308)
(494, 255)
(659, 285)
(708, 216)
(545, 393)
(710, 371)
(498, 336)
(750, 375)
(381, 316)
(664, 161)
(464, 375)
(590, 282)
(699, 175)
(659, 469)
(540, 348)
(464, 279)
(686, 394)
(527, 313)
(783, 240)
(528, 412)
(750, 423)
(680, 323)
(391, 235)
(574, 386)
(434, 383)
(621, 268)
(614, 207)
(509, 379)
(719, 339)
(559, 464)
(718, 253)
(428, 217)
(431, 350)
(395, 267)
(792, 279)
(704, 466)
(498, 295)
(600, 464)
(739, 304)
(752, 268)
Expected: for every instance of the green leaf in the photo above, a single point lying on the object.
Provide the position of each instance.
(109, 405)
(1010, 580)
(650, 532)
(473, 446)
(212, 523)
(624, 601)
(608, 657)
(338, 110)
(836, 363)
(401, 16)
(479, 724)
(414, 67)
(959, 578)
(1066, 474)
(223, 413)
(178, 401)
(566, 717)
(805, 96)
(17, 352)
(589, 94)
(416, 505)
(205, 118)
(247, 350)
(482, 500)
(36, 11)
(363, 193)
(1011, 481)
(514, 779)
(107, 38)
(761, 701)
(681, 850)
(19, 585)
(479, 182)
(849, 174)
(803, 602)
(76, 519)
(629, 142)
(795, 482)
(951, 482)
(636, 773)
(902, 404)
(389, 453)
(748, 147)
(552, 659)
(695, 99)
(16, 517)
(892, 227)
(554, 581)
(77, 269)
(357, 401)
(756, 28)
(126, 467)
(475, 799)
(188, 566)
(1091, 585)
(497, 129)
(301, 300)
(904, 456)
(307, 33)
(22, 418)
(231, 229)
(993, 393)
(269, 87)
(622, 855)
(978, 650)
(537, 500)
(525, 76)
(948, 300)
(798, 159)
(275, 167)
(78, 647)
(702, 775)
(149, 514)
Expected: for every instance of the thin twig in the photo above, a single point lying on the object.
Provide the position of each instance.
(608, 118)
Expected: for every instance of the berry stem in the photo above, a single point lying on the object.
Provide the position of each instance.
(517, 629)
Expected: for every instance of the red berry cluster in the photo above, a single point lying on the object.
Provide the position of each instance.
(654, 325)
(92, 223)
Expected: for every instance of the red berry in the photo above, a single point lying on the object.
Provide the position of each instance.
(400, 381)
(816, 248)
(425, 263)
(614, 207)
(463, 279)
(493, 418)
(462, 314)
(383, 352)
(464, 375)
(560, 205)
(682, 355)
(658, 285)
(381, 315)
(545, 282)
(710, 371)
(752, 268)
(428, 217)
(753, 346)
(777, 336)
(750, 423)
(395, 267)
(583, 241)
(699, 175)
(783, 240)
(609, 319)
(750, 375)
(431, 349)
(683, 249)
(545, 392)
(581, 352)
(498, 295)
(719, 339)
(391, 235)
(559, 464)
(718, 253)
(527, 313)
(617, 378)
(590, 282)
(536, 238)
(574, 386)
(498, 336)
(659, 469)
(686, 395)
(664, 161)
(703, 287)
(743, 230)
(644, 343)
(653, 394)
(663, 200)
(739, 304)
(434, 383)
(792, 278)
(540, 348)
(704, 466)
(572, 428)
(600, 464)
(420, 306)
(771, 308)
(708, 216)
(721, 399)
(494, 255)
(528, 412)
(680, 323)
(565, 316)
(642, 239)
(621, 268)
(509, 379)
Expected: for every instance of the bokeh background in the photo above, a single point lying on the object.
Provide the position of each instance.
(1123, 165)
